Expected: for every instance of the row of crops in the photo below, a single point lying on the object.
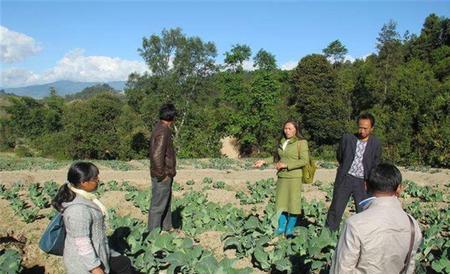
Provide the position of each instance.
(248, 234)
(10, 163)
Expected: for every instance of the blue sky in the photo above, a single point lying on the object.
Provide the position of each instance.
(45, 41)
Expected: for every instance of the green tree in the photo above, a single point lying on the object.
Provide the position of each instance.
(433, 136)
(405, 111)
(321, 108)
(390, 53)
(91, 128)
(250, 102)
(366, 93)
(91, 92)
(54, 111)
(441, 62)
(235, 58)
(27, 116)
(432, 32)
(264, 60)
(133, 135)
(159, 51)
(335, 52)
(179, 65)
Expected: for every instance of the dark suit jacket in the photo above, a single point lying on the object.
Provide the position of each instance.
(346, 152)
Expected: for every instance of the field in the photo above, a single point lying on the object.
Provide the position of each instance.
(223, 208)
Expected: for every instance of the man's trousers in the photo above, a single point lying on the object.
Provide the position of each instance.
(160, 213)
(350, 185)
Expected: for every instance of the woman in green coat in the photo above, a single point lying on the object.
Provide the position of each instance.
(292, 154)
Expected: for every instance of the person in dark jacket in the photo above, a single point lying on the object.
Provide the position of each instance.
(357, 154)
(162, 169)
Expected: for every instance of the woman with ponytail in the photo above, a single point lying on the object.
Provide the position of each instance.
(291, 156)
(86, 247)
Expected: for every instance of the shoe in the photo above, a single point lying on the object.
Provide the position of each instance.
(292, 220)
(282, 221)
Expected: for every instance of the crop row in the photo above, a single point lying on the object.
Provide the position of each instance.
(251, 235)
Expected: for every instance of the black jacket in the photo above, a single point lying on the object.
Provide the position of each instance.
(346, 153)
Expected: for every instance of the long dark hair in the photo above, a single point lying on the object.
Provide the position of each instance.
(297, 129)
(299, 136)
(78, 173)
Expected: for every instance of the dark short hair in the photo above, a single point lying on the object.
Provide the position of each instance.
(366, 116)
(167, 112)
(384, 178)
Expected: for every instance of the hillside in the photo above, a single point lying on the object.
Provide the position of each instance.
(62, 87)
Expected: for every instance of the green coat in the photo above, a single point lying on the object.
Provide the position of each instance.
(295, 155)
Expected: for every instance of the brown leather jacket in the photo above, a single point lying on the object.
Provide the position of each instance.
(162, 152)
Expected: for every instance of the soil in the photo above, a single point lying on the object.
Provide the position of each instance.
(38, 262)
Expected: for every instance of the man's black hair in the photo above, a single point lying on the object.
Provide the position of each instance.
(167, 112)
(384, 178)
(367, 116)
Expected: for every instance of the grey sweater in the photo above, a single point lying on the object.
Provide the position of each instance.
(86, 246)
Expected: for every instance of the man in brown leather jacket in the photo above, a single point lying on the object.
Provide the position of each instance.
(162, 169)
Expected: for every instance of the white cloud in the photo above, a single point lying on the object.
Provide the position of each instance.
(248, 65)
(289, 65)
(15, 46)
(349, 58)
(18, 77)
(365, 56)
(76, 66)
(353, 59)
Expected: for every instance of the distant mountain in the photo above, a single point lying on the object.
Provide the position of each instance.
(62, 88)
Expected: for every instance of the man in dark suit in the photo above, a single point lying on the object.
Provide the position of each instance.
(357, 154)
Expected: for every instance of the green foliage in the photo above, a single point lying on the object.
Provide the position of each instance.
(219, 185)
(91, 126)
(259, 192)
(140, 199)
(25, 212)
(116, 165)
(91, 92)
(207, 180)
(424, 193)
(265, 60)
(251, 236)
(321, 108)
(36, 194)
(153, 252)
(10, 163)
(335, 51)
(236, 57)
(10, 261)
(199, 215)
(406, 84)
(252, 106)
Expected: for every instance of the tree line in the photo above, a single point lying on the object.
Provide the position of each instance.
(405, 84)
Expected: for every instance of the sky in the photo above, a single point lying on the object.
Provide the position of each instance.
(47, 41)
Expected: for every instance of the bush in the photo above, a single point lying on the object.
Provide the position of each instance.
(23, 151)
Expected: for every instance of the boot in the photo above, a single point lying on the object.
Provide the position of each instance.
(282, 221)
(292, 220)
